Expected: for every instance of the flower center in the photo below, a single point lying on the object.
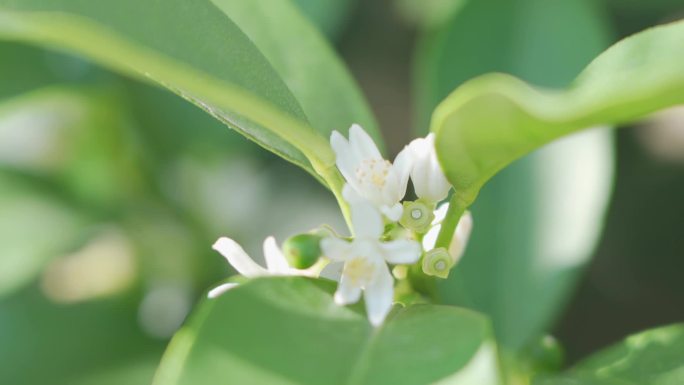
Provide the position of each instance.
(373, 172)
(359, 270)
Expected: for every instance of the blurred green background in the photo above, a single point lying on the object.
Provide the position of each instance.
(112, 191)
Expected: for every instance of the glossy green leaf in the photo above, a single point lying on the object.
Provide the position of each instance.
(306, 63)
(545, 211)
(654, 357)
(289, 331)
(246, 77)
(493, 120)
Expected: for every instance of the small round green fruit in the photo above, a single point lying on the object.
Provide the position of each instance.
(302, 251)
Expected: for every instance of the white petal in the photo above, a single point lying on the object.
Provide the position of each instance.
(401, 251)
(345, 158)
(220, 289)
(350, 194)
(438, 185)
(428, 178)
(417, 150)
(363, 143)
(237, 258)
(402, 169)
(366, 220)
(430, 238)
(440, 213)
(379, 295)
(336, 249)
(346, 292)
(332, 271)
(461, 236)
(393, 213)
(275, 260)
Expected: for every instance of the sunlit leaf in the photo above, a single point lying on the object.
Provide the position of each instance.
(197, 51)
(654, 357)
(289, 331)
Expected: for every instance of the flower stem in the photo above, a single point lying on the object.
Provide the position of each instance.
(422, 283)
(457, 206)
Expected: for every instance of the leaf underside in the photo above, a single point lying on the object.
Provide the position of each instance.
(493, 120)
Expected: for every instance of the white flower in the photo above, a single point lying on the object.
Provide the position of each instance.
(461, 234)
(365, 262)
(276, 264)
(368, 174)
(427, 176)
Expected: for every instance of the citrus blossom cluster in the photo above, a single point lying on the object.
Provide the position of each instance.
(386, 231)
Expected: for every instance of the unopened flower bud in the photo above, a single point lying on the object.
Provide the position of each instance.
(302, 251)
(417, 216)
(437, 262)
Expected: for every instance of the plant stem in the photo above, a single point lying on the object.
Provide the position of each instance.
(457, 206)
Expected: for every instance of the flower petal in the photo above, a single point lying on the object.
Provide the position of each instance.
(237, 258)
(461, 236)
(275, 260)
(362, 143)
(332, 271)
(378, 296)
(366, 220)
(336, 249)
(402, 169)
(350, 194)
(401, 251)
(439, 187)
(345, 158)
(346, 292)
(393, 213)
(440, 213)
(428, 178)
(430, 238)
(220, 289)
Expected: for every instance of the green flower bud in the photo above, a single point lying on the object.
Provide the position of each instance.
(417, 216)
(302, 251)
(437, 262)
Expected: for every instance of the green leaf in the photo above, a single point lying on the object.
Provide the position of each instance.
(329, 16)
(306, 63)
(545, 223)
(136, 372)
(22, 68)
(493, 120)
(48, 343)
(653, 357)
(289, 331)
(201, 53)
